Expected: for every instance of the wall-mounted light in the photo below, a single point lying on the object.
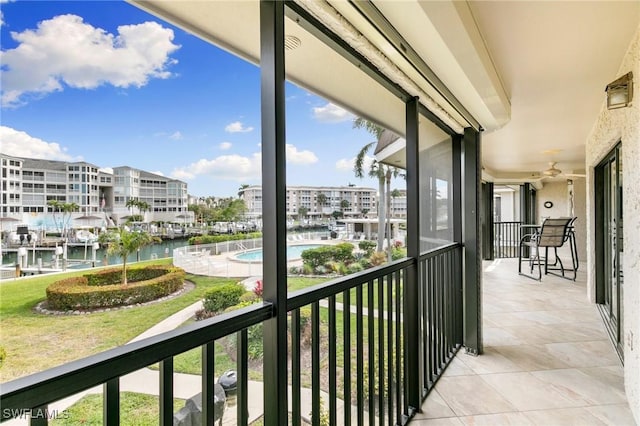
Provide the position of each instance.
(620, 92)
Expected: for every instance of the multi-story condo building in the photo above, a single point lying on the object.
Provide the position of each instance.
(318, 200)
(167, 198)
(28, 186)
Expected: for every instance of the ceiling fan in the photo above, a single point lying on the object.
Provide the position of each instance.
(553, 171)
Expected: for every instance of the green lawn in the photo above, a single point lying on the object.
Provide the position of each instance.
(135, 410)
(35, 342)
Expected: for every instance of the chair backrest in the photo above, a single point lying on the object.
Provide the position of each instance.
(554, 231)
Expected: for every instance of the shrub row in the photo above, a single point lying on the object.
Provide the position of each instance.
(315, 257)
(211, 239)
(114, 275)
(75, 293)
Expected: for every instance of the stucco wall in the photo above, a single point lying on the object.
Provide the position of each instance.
(557, 192)
(613, 126)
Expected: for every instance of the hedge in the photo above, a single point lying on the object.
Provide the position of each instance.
(319, 256)
(221, 297)
(211, 239)
(76, 294)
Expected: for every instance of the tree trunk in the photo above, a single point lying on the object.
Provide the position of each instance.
(381, 214)
(124, 270)
(388, 204)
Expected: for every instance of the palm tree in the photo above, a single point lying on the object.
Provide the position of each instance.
(66, 209)
(241, 189)
(389, 173)
(143, 207)
(322, 201)
(130, 204)
(384, 174)
(55, 206)
(376, 171)
(122, 243)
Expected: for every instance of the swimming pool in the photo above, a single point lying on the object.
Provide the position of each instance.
(293, 253)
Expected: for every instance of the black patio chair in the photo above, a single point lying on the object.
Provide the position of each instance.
(553, 233)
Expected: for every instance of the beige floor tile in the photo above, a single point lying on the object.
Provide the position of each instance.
(593, 389)
(598, 353)
(470, 395)
(563, 417)
(526, 392)
(531, 357)
(434, 407)
(489, 362)
(458, 368)
(498, 336)
(447, 421)
(515, 419)
(614, 414)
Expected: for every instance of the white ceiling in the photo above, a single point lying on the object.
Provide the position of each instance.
(532, 73)
(555, 60)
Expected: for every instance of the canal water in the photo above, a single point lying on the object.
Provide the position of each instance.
(159, 250)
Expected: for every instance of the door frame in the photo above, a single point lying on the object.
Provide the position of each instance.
(604, 249)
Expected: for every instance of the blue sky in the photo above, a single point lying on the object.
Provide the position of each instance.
(106, 83)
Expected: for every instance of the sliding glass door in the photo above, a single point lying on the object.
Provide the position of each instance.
(609, 247)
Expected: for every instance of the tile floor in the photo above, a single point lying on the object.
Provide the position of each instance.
(548, 360)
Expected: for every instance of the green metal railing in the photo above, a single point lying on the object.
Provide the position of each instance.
(506, 239)
(356, 334)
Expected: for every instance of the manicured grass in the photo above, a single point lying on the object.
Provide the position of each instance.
(135, 410)
(35, 342)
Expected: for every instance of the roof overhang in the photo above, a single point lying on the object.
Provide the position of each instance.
(469, 94)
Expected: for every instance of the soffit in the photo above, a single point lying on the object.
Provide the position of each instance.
(555, 59)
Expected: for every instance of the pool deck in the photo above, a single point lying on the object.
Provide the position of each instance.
(225, 264)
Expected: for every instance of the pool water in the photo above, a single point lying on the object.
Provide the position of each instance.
(293, 253)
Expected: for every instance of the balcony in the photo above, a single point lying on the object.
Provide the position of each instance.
(547, 360)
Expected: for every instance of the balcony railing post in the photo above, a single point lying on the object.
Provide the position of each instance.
(272, 71)
(472, 254)
(412, 287)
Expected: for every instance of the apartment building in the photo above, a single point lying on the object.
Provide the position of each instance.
(167, 198)
(28, 185)
(318, 201)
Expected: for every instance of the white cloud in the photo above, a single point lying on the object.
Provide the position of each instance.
(300, 157)
(225, 167)
(237, 127)
(21, 144)
(346, 165)
(225, 146)
(65, 50)
(176, 136)
(331, 113)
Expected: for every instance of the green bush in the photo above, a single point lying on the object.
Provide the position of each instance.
(398, 253)
(76, 293)
(343, 252)
(367, 246)
(320, 256)
(221, 297)
(355, 267)
(211, 239)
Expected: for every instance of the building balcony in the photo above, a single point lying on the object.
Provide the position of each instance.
(547, 359)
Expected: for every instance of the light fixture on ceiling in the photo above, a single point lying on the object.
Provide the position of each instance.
(552, 171)
(620, 92)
